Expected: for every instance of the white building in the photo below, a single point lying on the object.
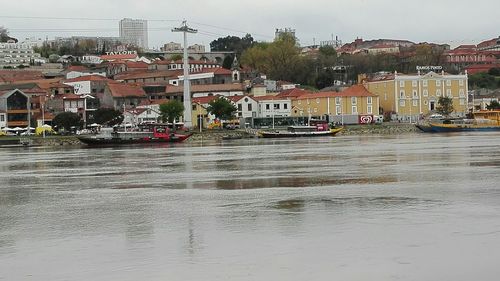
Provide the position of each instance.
(134, 32)
(18, 53)
(270, 106)
(246, 106)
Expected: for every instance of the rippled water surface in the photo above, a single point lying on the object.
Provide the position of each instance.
(416, 207)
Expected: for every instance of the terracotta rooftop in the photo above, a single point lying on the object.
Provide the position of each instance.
(80, 68)
(206, 88)
(13, 76)
(87, 78)
(119, 90)
(353, 91)
(140, 74)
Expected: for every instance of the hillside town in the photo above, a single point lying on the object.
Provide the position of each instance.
(399, 80)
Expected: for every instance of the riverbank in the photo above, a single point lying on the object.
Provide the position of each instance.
(216, 135)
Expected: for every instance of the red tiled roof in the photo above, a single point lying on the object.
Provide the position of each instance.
(68, 97)
(204, 100)
(79, 68)
(13, 76)
(87, 78)
(293, 93)
(119, 90)
(145, 74)
(353, 91)
(206, 88)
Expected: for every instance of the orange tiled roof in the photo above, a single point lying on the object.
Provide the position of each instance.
(87, 78)
(353, 91)
(119, 90)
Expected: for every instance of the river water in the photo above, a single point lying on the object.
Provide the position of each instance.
(414, 207)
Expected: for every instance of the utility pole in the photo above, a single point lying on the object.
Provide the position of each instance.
(187, 93)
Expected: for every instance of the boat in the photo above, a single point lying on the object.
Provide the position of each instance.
(483, 121)
(300, 131)
(148, 133)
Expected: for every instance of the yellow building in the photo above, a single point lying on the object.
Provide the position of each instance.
(411, 96)
(355, 100)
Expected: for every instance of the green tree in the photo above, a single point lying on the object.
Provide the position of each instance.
(482, 81)
(494, 105)
(67, 120)
(221, 108)
(494, 71)
(232, 44)
(171, 110)
(175, 57)
(445, 106)
(108, 116)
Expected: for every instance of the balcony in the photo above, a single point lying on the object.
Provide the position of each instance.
(17, 111)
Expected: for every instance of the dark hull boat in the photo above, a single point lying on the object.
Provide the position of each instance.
(295, 133)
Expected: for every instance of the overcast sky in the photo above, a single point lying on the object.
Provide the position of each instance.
(442, 21)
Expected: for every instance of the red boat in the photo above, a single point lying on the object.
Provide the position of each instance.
(150, 133)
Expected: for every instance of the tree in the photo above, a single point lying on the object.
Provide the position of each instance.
(108, 116)
(221, 108)
(171, 110)
(4, 35)
(494, 71)
(494, 105)
(67, 120)
(176, 57)
(232, 44)
(445, 106)
(482, 80)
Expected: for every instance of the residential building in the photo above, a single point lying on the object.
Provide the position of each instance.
(14, 108)
(246, 106)
(142, 114)
(120, 96)
(352, 103)
(18, 54)
(276, 106)
(88, 85)
(171, 47)
(134, 31)
(408, 97)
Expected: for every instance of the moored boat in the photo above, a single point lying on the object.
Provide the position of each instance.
(151, 133)
(301, 131)
(483, 121)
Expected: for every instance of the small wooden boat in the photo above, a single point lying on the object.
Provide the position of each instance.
(300, 131)
(483, 121)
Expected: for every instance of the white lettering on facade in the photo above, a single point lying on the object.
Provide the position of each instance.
(429, 67)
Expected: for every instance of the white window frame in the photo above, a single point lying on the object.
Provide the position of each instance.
(354, 101)
(425, 93)
(461, 92)
(448, 82)
(402, 103)
(414, 83)
(438, 83)
(338, 110)
(337, 100)
(354, 109)
(425, 83)
(461, 82)
(369, 109)
(402, 94)
(317, 100)
(462, 101)
(448, 93)
(438, 92)
(401, 84)
(415, 94)
(369, 100)
(415, 102)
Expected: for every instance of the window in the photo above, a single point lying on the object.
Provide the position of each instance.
(415, 94)
(414, 83)
(315, 109)
(194, 107)
(385, 96)
(448, 93)
(240, 107)
(369, 109)
(402, 95)
(268, 106)
(249, 107)
(462, 101)
(369, 100)
(354, 100)
(448, 82)
(401, 83)
(307, 101)
(425, 83)
(460, 82)
(317, 100)
(402, 103)
(461, 92)
(2, 118)
(276, 106)
(285, 106)
(298, 102)
(438, 93)
(337, 110)
(354, 110)
(438, 83)
(337, 100)
(426, 93)
(415, 102)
